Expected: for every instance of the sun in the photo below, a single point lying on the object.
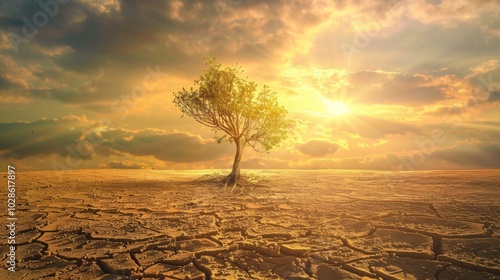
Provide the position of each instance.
(336, 108)
(320, 106)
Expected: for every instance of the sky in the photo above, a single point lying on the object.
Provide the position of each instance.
(377, 85)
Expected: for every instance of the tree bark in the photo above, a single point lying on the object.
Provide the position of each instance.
(234, 177)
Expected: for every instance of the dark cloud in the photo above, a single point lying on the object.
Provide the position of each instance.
(370, 127)
(87, 30)
(44, 137)
(494, 96)
(317, 148)
(480, 155)
(5, 84)
(81, 138)
(120, 43)
(459, 129)
(168, 146)
(134, 25)
(160, 31)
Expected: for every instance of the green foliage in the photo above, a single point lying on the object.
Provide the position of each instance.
(223, 100)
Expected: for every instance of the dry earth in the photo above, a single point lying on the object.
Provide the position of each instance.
(128, 224)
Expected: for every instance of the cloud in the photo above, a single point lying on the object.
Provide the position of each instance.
(104, 6)
(380, 87)
(368, 87)
(445, 110)
(478, 155)
(120, 37)
(472, 94)
(370, 127)
(485, 78)
(490, 33)
(87, 138)
(174, 146)
(317, 147)
(462, 156)
(494, 96)
(448, 13)
(486, 66)
(5, 83)
(105, 46)
(44, 137)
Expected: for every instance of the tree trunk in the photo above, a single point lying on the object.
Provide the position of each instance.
(233, 178)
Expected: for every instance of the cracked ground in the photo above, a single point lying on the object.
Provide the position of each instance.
(113, 224)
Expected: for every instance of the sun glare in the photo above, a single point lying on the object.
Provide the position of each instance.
(336, 108)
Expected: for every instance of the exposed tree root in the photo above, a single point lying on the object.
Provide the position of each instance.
(209, 178)
(224, 181)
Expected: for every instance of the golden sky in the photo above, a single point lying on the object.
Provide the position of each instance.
(385, 85)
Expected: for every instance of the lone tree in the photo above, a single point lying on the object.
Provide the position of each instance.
(225, 101)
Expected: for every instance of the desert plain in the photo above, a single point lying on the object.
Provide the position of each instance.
(283, 224)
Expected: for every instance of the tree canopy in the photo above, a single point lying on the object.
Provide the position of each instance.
(226, 101)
